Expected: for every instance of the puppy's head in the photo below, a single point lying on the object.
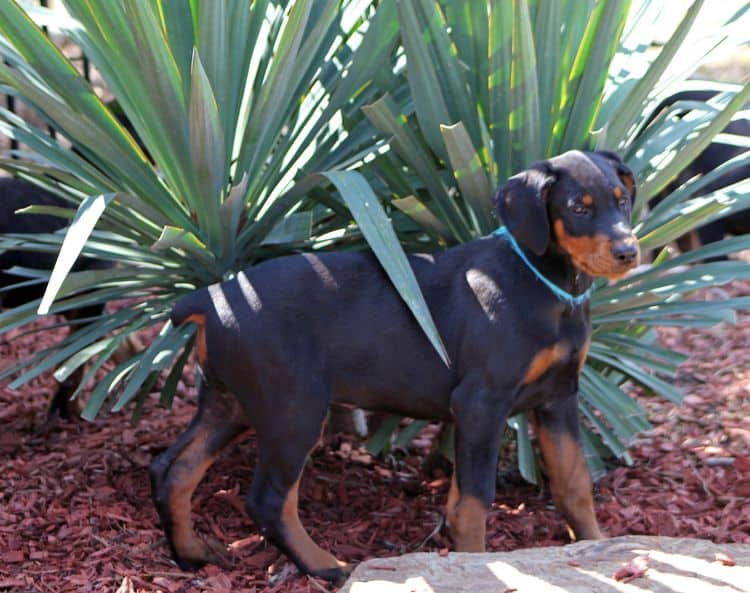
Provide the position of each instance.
(578, 202)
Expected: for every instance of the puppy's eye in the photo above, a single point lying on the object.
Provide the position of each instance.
(579, 208)
(621, 199)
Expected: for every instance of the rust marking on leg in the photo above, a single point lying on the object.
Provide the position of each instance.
(201, 351)
(467, 519)
(470, 525)
(184, 475)
(544, 360)
(453, 496)
(570, 482)
(307, 552)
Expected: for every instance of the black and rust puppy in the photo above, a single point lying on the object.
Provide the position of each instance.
(284, 339)
(16, 194)
(716, 154)
(713, 156)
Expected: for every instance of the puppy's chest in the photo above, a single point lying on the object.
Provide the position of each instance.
(552, 370)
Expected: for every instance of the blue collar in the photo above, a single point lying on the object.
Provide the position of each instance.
(561, 294)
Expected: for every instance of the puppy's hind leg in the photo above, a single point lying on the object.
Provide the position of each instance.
(284, 441)
(178, 470)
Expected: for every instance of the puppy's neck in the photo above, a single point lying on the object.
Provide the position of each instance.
(558, 267)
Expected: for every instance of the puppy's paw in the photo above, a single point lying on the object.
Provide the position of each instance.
(196, 553)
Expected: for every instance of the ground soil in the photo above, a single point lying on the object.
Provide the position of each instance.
(76, 513)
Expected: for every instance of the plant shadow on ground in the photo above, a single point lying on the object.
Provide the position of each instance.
(76, 514)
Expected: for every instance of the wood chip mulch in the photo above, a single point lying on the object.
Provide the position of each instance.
(76, 513)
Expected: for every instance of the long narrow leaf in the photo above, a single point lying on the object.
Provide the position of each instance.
(380, 236)
(524, 91)
(80, 228)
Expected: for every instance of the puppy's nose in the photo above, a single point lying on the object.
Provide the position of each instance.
(625, 253)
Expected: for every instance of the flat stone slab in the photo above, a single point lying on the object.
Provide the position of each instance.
(672, 565)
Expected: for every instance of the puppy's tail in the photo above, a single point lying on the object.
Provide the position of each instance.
(191, 307)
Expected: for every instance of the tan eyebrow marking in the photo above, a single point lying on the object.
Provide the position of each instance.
(617, 192)
(587, 199)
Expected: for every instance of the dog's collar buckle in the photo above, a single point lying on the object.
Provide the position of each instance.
(561, 294)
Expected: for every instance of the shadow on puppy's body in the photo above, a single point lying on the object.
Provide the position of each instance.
(290, 336)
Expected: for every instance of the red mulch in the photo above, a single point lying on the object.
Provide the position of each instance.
(76, 513)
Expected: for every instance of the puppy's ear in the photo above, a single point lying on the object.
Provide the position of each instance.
(521, 203)
(624, 172)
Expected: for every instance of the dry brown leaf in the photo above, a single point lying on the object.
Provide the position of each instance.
(725, 559)
(633, 569)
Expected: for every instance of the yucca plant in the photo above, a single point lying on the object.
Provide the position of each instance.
(240, 103)
(495, 86)
(237, 105)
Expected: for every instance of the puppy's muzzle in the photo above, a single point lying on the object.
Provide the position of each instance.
(626, 253)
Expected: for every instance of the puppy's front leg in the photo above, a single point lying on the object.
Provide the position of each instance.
(479, 418)
(558, 432)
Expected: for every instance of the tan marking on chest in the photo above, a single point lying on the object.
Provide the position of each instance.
(201, 350)
(544, 360)
(587, 200)
(584, 354)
